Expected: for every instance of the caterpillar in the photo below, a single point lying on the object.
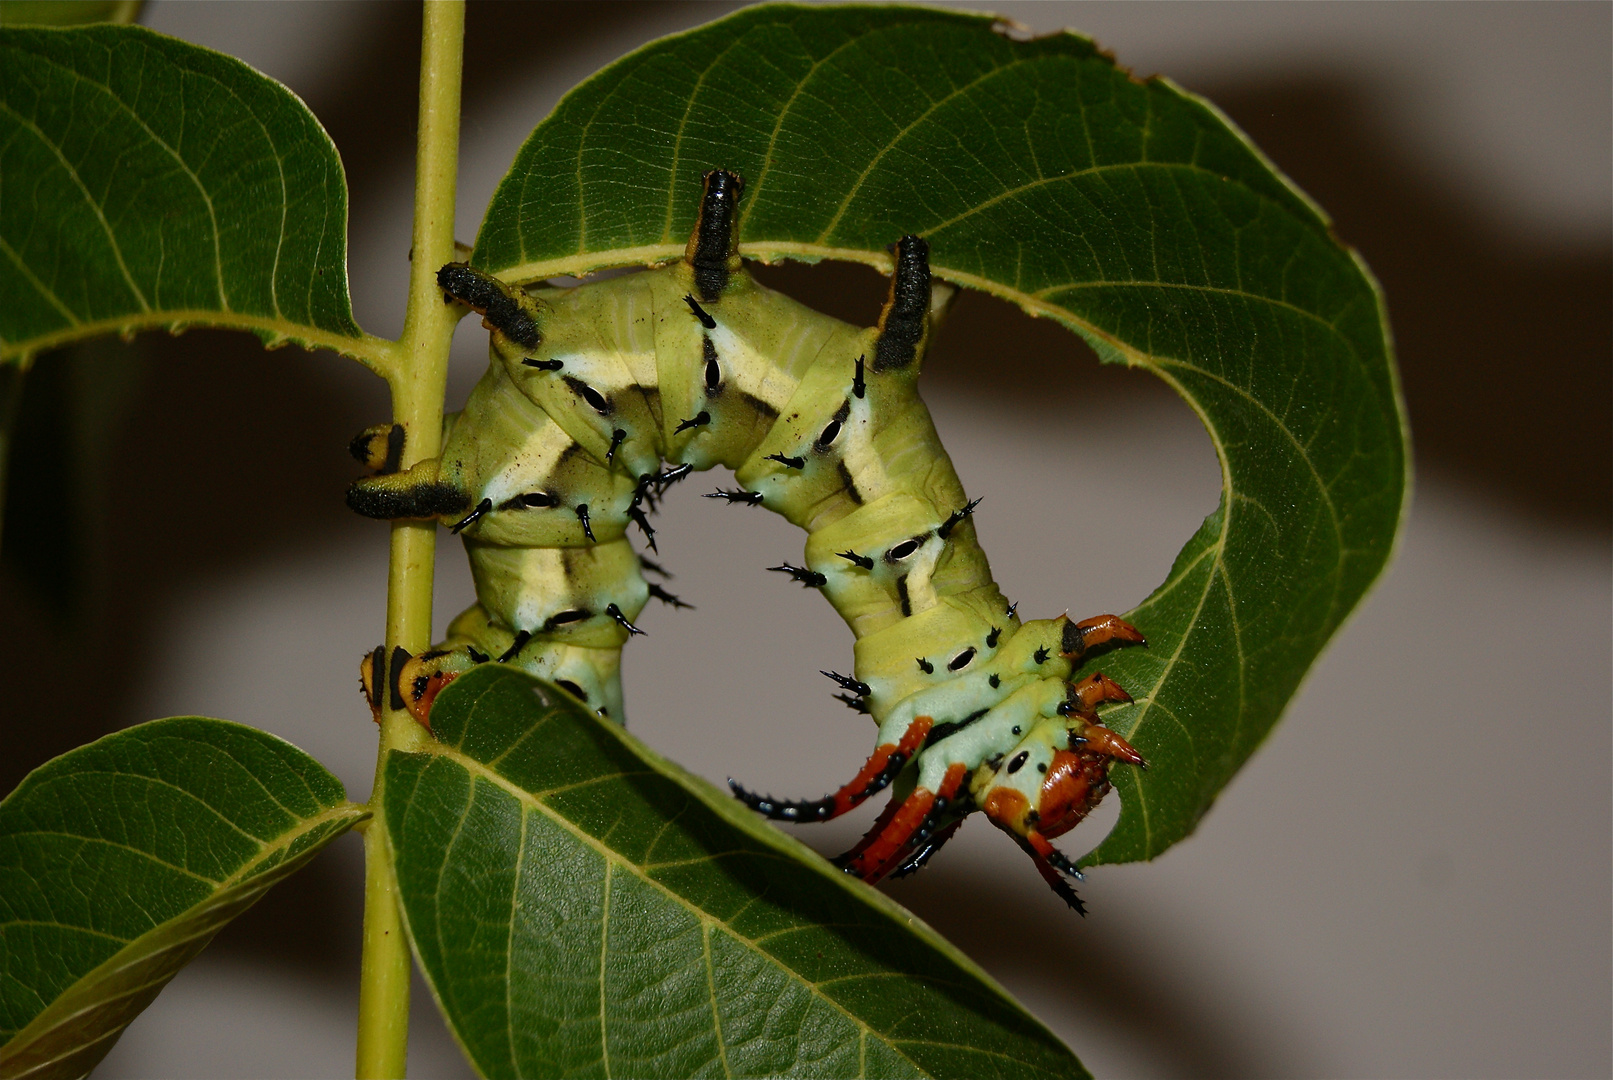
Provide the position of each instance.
(601, 396)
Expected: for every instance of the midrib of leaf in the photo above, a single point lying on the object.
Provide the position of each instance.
(615, 861)
(234, 891)
(100, 212)
(243, 873)
(677, 145)
(778, 126)
(377, 353)
(873, 162)
(33, 279)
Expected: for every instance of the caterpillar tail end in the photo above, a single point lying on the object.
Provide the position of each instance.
(882, 767)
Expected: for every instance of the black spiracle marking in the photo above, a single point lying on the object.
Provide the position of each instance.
(596, 401)
(904, 550)
(713, 371)
(831, 430)
(530, 500)
(962, 660)
(952, 727)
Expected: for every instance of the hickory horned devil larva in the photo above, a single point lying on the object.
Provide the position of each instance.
(601, 395)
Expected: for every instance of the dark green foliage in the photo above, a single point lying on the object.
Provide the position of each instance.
(120, 860)
(583, 907)
(149, 182)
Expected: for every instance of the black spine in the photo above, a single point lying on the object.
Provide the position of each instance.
(861, 689)
(666, 597)
(810, 579)
(700, 313)
(519, 643)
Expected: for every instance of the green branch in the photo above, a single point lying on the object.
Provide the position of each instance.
(418, 383)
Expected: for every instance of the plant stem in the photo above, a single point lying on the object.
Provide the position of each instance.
(418, 384)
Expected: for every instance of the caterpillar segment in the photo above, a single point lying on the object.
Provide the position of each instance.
(599, 397)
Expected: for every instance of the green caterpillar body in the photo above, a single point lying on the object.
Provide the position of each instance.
(564, 443)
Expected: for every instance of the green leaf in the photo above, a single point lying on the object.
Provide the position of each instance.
(1130, 211)
(146, 182)
(583, 907)
(120, 860)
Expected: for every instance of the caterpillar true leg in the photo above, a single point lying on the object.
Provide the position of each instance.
(599, 397)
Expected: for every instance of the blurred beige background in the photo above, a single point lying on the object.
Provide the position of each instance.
(1411, 879)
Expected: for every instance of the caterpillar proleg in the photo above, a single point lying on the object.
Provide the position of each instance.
(600, 396)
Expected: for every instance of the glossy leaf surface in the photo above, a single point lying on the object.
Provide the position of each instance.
(1130, 211)
(582, 907)
(146, 182)
(120, 860)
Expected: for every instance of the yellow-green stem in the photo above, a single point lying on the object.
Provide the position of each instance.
(417, 382)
